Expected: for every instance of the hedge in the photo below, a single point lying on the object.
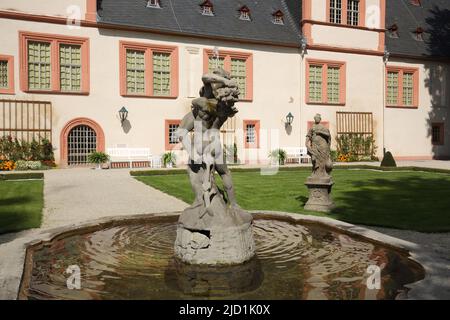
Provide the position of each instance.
(22, 176)
(290, 169)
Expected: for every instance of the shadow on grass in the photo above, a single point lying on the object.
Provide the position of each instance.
(16, 213)
(414, 203)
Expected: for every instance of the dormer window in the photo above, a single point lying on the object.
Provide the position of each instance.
(277, 17)
(244, 13)
(418, 34)
(393, 31)
(207, 8)
(153, 4)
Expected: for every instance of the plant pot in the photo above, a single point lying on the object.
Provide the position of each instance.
(98, 166)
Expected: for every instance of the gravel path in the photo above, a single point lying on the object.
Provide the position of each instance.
(79, 195)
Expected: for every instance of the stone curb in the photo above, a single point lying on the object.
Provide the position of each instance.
(435, 285)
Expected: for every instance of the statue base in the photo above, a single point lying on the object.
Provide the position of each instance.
(319, 194)
(214, 235)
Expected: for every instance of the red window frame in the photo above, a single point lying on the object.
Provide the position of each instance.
(55, 41)
(344, 13)
(227, 56)
(149, 48)
(168, 145)
(10, 61)
(401, 71)
(325, 64)
(257, 125)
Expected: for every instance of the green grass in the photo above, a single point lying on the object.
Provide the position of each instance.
(403, 200)
(21, 204)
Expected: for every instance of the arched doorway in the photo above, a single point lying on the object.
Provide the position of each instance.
(79, 138)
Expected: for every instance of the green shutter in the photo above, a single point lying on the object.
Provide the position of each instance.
(161, 73)
(70, 67)
(239, 73)
(315, 83)
(392, 88)
(4, 74)
(333, 81)
(214, 63)
(408, 89)
(135, 72)
(39, 65)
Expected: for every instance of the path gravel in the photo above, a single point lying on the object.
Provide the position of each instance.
(79, 195)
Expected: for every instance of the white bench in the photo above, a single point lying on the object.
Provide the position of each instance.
(299, 154)
(133, 155)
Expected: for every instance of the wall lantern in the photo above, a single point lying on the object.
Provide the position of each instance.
(123, 114)
(303, 45)
(289, 119)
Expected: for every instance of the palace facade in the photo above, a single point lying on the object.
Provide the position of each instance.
(376, 68)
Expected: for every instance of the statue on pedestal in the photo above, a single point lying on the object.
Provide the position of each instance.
(318, 143)
(213, 230)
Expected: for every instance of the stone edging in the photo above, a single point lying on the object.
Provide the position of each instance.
(433, 286)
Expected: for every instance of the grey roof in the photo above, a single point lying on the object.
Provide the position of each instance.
(184, 16)
(433, 16)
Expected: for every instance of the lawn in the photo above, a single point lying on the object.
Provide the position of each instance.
(404, 200)
(21, 205)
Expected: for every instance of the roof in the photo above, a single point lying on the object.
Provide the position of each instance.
(433, 16)
(184, 17)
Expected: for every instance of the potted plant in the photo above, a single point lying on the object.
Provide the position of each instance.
(169, 159)
(98, 158)
(278, 156)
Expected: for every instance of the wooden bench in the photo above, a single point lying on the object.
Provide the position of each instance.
(132, 158)
(297, 155)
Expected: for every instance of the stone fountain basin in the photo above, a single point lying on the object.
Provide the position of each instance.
(418, 290)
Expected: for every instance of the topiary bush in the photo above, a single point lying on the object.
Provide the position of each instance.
(388, 160)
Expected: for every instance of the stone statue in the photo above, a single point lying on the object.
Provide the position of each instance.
(318, 143)
(212, 231)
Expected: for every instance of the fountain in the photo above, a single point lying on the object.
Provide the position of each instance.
(215, 249)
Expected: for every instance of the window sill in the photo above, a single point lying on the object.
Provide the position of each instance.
(80, 93)
(402, 107)
(7, 91)
(341, 104)
(147, 96)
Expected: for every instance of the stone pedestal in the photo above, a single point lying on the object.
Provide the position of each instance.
(319, 194)
(216, 235)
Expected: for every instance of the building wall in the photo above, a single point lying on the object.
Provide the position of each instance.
(364, 80)
(408, 130)
(276, 87)
(61, 8)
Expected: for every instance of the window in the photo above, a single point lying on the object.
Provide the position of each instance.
(401, 87)
(349, 12)
(171, 128)
(161, 73)
(135, 71)
(238, 72)
(418, 34)
(238, 64)
(335, 11)
(153, 4)
(352, 12)
(277, 17)
(325, 82)
(54, 64)
(393, 31)
(207, 8)
(148, 70)
(70, 64)
(6, 74)
(244, 13)
(437, 133)
(251, 133)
